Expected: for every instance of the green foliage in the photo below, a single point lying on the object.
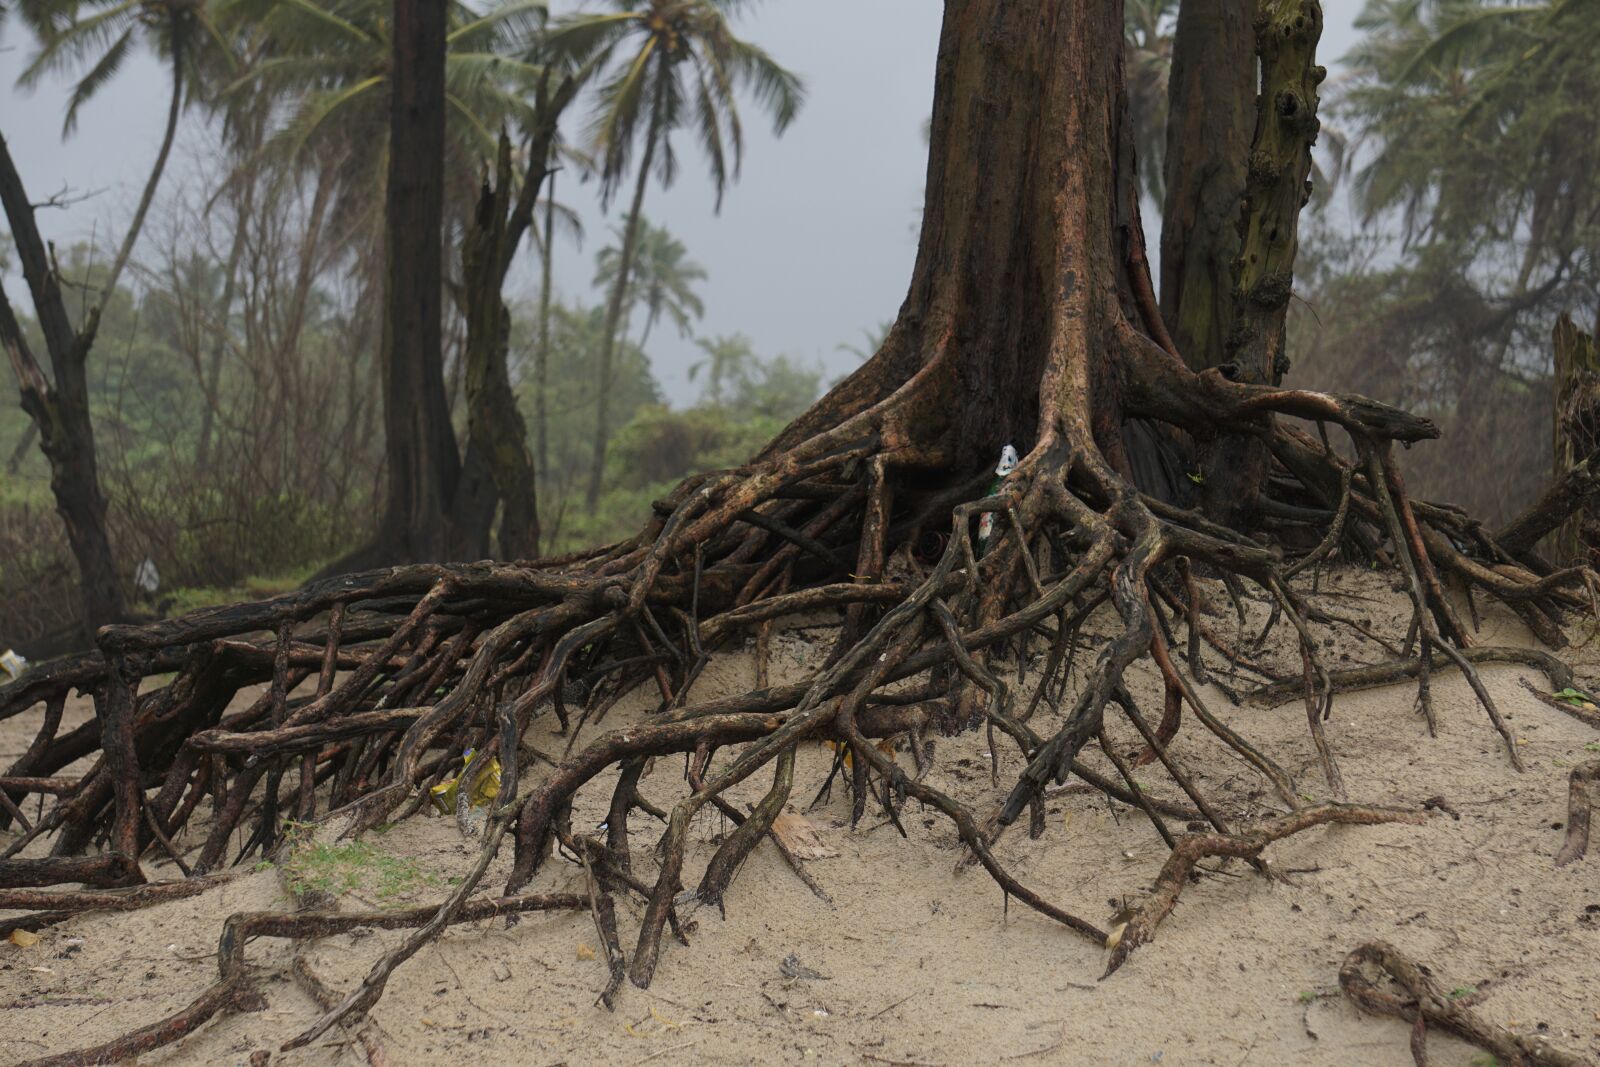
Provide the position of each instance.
(655, 446)
(322, 68)
(667, 64)
(355, 867)
(1473, 163)
(662, 280)
(660, 446)
(574, 388)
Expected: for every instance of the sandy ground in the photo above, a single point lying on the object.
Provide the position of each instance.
(923, 964)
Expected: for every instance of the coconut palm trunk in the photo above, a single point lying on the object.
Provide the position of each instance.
(174, 106)
(630, 244)
(541, 358)
(213, 379)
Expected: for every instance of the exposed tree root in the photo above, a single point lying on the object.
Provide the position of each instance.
(1192, 848)
(414, 666)
(326, 999)
(1424, 1003)
(1030, 321)
(232, 989)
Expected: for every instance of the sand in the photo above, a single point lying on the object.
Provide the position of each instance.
(919, 963)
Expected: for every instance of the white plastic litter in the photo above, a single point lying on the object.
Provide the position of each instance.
(145, 576)
(12, 663)
(1008, 463)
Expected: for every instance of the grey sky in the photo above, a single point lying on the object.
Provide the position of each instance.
(813, 246)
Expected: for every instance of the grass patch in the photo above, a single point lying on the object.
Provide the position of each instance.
(356, 867)
(183, 599)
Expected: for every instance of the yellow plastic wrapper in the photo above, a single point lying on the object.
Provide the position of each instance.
(484, 789)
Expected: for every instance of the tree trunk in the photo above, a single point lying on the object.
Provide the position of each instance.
(1211, 117)
(60, 408)
(541, 358)
(619, 292)
(1017, 309)
(494, 425)
(1277, 186)
(1237, 177)
(1031, 319)
(213, 372)
(420, 447)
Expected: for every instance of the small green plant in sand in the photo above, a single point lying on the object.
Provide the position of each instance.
(351, 867)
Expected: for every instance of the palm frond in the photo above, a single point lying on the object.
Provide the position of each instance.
(515, 25)
(92, 82)
(317, 109)
(66, 44)
(617, 118)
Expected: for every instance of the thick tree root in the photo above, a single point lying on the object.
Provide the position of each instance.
(1424, 1003)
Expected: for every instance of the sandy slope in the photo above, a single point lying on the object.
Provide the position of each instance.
(924, 965)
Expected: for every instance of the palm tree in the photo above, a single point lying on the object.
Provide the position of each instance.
(667, 64)
(663, 280)
(728, 358)
(100, 35)
(560, 153)
(330, 60)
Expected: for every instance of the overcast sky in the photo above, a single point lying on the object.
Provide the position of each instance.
(814, 244)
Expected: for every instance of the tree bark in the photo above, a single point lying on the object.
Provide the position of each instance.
(420, 448)
(1211, 117)
(541, 359)
(60, 408)
(1277, 186)
(1015, 314)
(495, 427)
(1237, 179)
(619, 293)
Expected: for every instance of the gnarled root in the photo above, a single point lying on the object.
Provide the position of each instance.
(1424, 1004)
(1248, 844)
(407, 669)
